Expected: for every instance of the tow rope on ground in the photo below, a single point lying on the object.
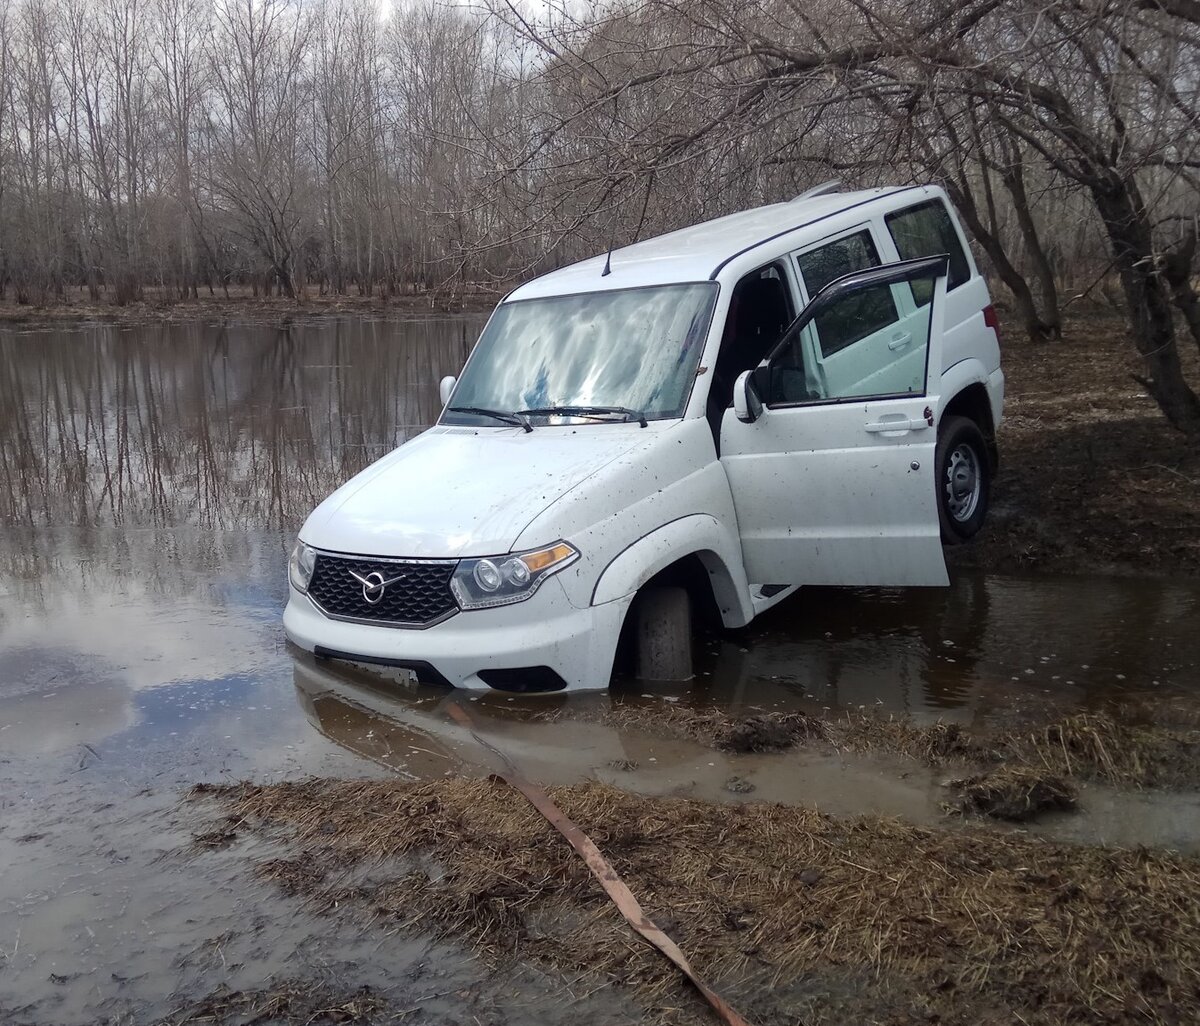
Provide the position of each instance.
(601, 869)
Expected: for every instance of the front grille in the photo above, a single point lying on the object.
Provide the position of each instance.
(422, 598)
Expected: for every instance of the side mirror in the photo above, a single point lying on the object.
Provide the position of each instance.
(747, 406)
(446, 387)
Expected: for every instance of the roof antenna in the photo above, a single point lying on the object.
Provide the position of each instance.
(612, 241)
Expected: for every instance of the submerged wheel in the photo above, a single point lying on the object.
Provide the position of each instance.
(963, 479)
(664, 634)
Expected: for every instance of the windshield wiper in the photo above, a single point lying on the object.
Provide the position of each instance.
(587, 411)
(516, 419)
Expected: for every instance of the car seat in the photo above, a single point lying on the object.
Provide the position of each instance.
(758, 313)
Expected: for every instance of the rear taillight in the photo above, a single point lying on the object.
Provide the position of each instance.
(991, 320)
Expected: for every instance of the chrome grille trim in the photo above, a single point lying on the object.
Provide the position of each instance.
(338, 596)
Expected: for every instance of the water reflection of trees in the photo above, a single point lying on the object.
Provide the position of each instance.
(216, 426)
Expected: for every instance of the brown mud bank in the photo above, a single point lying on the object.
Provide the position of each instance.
(1092, 478)
(794, 915)
(240, 305)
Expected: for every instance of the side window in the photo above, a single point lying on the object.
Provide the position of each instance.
(847, 323)
(836, 259)
(890, 359)
(926, 230)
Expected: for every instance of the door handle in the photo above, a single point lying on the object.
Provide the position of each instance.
(900, 341)
(899, 424)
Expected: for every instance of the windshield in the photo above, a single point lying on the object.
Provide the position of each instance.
(634, 350)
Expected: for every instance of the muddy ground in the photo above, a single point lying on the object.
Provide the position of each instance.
(1091, 478)
(240, 304)
(796, 915)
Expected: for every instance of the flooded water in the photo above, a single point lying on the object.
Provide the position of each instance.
(152, 482)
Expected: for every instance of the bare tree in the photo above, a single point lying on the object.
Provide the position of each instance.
(257, 51)
(289, 143)
(1067, 79)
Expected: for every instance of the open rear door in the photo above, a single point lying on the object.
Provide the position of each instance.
(832, 467)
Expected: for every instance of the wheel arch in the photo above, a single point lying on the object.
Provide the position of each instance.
(965, 394)
(695, 552)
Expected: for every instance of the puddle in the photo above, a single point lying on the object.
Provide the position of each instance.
(970, 649)
(153, 478)
(407, 729)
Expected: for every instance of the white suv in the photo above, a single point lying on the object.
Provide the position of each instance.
(805, 393)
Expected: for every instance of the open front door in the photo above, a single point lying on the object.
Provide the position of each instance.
(829, 448)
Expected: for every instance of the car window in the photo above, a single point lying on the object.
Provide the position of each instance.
(848, 322)
(889, 357)
(926, 230)
(636, 347)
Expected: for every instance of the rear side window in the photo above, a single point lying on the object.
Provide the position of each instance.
(834, 260)
(862, 315)
(926, 230)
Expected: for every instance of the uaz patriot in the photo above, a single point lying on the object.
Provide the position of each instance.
(804, 393)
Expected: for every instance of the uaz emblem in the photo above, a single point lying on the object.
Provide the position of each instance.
(373, 585)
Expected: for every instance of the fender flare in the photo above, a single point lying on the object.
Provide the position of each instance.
(963, 374)
(698, 534)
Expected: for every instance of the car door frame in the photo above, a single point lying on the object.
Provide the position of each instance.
(828, 537)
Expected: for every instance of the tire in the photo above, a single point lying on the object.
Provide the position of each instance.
(664, 634)
(963, 478)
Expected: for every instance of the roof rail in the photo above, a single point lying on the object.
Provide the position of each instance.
(833, 185)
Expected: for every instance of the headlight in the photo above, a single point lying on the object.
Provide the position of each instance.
(301, 565)
(500, 580)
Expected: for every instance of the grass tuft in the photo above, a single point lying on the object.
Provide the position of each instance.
(1011, 793)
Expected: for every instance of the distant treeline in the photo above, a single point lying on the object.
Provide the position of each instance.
(194, 144)
(296, 146)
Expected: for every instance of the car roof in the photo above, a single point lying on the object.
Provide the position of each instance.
(698, 252)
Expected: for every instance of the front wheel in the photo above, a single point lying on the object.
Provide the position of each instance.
(664, 633)
(963, 479)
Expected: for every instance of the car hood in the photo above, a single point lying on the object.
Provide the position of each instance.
(454, 491)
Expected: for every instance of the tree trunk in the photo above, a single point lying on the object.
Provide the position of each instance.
(283, 276)
(1177, 267)
(1148, 299)
(1051, 316)
(1035, 327)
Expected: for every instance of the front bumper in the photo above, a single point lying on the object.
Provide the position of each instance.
(546, 630)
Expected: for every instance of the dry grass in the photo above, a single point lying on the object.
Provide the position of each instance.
(774, 904)
(1092, 745)
(766, 732)
(934, 743)
(1088, 746)
(240, 305)
(1012, 794)
(289, 1003)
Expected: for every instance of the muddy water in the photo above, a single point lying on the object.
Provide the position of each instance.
(151, 481)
